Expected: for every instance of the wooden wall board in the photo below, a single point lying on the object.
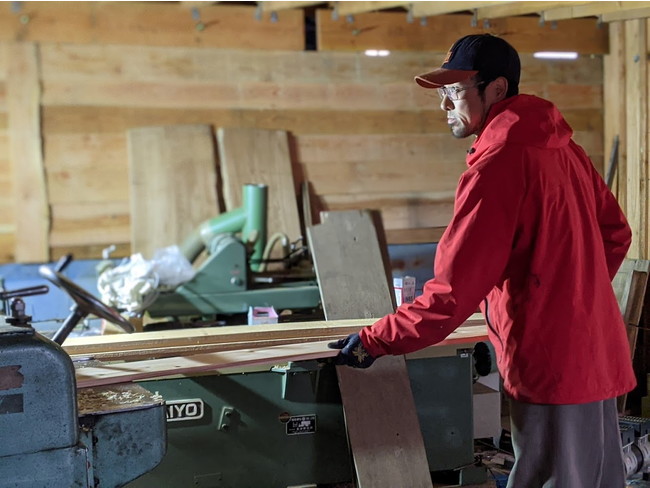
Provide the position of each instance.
(87, 168)
(151, 23)
(90, 223)
(614, 105)
(636, 125)
(88, 123)
(173, 181)
(389, 30)
(31, 211)
(65, 119)
(260, 157)
(381, 421)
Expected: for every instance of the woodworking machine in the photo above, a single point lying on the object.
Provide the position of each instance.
(234, 274)
(54, 436)
(284, 426)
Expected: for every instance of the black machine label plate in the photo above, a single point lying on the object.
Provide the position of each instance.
(301, 424)
(11, 404)
(183, 410)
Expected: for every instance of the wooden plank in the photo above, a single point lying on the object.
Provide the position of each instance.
(614, 105)
(630, 284)
(30, 192)
(380, 421)
(152, 23)
(173, 181)
(79, 119)
(129, 351)
(139, 63)
(277, 6)
(154, 368)
(638, 13)
(354, 8)
(260, 157)
(424, 9)
(386, 30)
(262, 95)
(398, 211)
(181, 339)
(517, 8)
(589, 9)
(99, 120)
(80, 165)
(636, 92)
(90, 223)
(414, 236)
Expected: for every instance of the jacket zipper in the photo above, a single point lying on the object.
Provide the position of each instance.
(489, 324)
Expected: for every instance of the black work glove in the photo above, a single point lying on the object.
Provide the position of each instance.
(352, 352)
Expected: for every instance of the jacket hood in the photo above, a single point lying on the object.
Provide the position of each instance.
(523, 120)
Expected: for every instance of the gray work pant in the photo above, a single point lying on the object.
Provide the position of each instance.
(566, 446)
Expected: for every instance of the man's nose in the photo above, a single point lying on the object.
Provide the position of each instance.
(446, 104)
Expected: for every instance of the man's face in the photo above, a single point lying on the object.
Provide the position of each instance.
(466, 115)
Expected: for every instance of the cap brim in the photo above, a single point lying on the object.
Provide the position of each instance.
(441, 77)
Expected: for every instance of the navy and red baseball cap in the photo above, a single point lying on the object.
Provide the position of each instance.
(486, 54)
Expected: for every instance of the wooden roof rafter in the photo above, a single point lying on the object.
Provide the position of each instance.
(600, 9)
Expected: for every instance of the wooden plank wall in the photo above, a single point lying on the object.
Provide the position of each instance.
(626, 114)
(362, 133)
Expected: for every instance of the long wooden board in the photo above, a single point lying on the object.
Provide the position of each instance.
(173, 177)
(140, 370)
(143, 345)
(382, 422)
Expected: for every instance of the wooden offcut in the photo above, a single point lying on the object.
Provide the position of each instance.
(260, 157)
(382, 422)
(173, 181)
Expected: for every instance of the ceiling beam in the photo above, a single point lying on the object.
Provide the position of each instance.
(517, 8)
(637, 13)
(591, 9)
(426, 9)
(277, 6)
(352, 8)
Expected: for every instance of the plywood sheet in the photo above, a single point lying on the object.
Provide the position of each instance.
(173, 183)
(382, 422)
(260, 157)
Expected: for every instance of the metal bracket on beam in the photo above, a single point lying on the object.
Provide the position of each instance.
(474, 21)
(409, 14)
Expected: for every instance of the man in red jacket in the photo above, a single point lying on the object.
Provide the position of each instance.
(535, 240)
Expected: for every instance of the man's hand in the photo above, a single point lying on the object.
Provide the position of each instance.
(352, 352)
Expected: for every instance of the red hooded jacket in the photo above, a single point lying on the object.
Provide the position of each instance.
(535, 240)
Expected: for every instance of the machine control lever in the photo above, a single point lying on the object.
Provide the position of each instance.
(24, 292)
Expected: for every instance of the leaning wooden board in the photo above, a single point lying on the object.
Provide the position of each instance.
(173, 178)
(380, 414)
(260, 157)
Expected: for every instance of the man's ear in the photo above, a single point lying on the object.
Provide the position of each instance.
(499, 88)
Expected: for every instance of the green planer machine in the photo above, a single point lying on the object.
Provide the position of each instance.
(234, 275)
